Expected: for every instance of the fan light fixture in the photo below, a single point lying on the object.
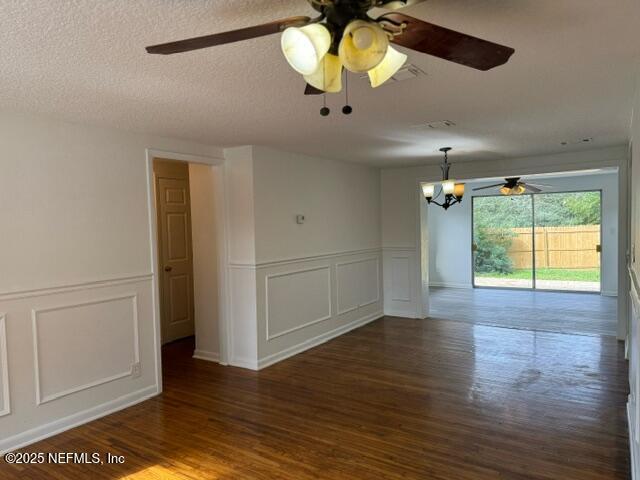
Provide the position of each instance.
(314, 52)
(518, 189)
(305, 47)
(452, 191)
(391, 63)
(328, 76)
(345, 36)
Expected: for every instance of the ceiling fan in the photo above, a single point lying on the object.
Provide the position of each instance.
(344, 36)
(513, 186)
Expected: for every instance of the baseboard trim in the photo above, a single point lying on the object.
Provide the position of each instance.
(50, 429)
(315, 341)
(451, 285)
(632, 442)
(206, 355)
(244, 363)
(401, 313)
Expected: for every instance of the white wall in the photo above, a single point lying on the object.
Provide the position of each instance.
(76, 281)
(450, 231)
(401, 216)
(206, 269)
(243, 328)
(341, 203)
(633, 338)
(311, 281)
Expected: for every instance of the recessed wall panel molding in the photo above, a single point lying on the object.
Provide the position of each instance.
(348, 276)
(401, 278)
(82, 345)
(370, 291)
(5, 403)
(357, 284)
(401, 285)
(297, 299)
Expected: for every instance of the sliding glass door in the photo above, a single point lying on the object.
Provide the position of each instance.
(548, 241)
(502, 241)
(568, 241)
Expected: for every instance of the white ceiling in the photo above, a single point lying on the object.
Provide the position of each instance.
(572, 76)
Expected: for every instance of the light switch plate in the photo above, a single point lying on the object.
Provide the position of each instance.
(299, 219)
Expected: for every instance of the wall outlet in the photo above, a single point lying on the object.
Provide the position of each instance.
(135, 370)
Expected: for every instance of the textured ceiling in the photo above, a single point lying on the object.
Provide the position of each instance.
(572, 76)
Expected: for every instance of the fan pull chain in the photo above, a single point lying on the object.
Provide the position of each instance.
(347, 109)
(324, 111)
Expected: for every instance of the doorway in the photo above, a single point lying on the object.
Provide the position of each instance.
(540, 241)
(175, 251)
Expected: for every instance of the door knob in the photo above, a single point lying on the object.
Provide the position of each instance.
(168, 269)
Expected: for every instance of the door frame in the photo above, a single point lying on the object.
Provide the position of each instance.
(223, 245)
(533, 242)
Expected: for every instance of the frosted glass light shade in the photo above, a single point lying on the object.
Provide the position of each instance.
(458, 190)
(517, 190)
(448, 186)
(305, 47)
(428, 190)
(363, 46)
(387, 68)
(328, 76)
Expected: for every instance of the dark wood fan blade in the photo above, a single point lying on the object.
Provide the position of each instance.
(531, 188)
(448, 44)
(311, 90)
(227, 37)
(488, 186)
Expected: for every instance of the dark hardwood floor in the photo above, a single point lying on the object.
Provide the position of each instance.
(584, 313)
(396, 399)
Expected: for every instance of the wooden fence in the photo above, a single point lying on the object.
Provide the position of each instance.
(557, 247)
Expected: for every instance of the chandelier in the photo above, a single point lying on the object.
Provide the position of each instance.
(452, 191)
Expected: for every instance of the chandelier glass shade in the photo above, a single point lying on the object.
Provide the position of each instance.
(313, 51)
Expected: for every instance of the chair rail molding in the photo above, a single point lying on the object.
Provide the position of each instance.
(94, 283)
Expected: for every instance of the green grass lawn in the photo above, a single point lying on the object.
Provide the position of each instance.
(575, 275)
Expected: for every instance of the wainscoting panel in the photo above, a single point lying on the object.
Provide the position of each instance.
(5, 402)
(401, 286)
(633, 353)
(73, 353)
(82, 345)
(401, 278)
(370, 282)
(297, 299)
(308, 301)
(347, 277)
(358, 284)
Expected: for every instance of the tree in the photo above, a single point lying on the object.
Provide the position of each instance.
(551, 210)
(492, 251)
